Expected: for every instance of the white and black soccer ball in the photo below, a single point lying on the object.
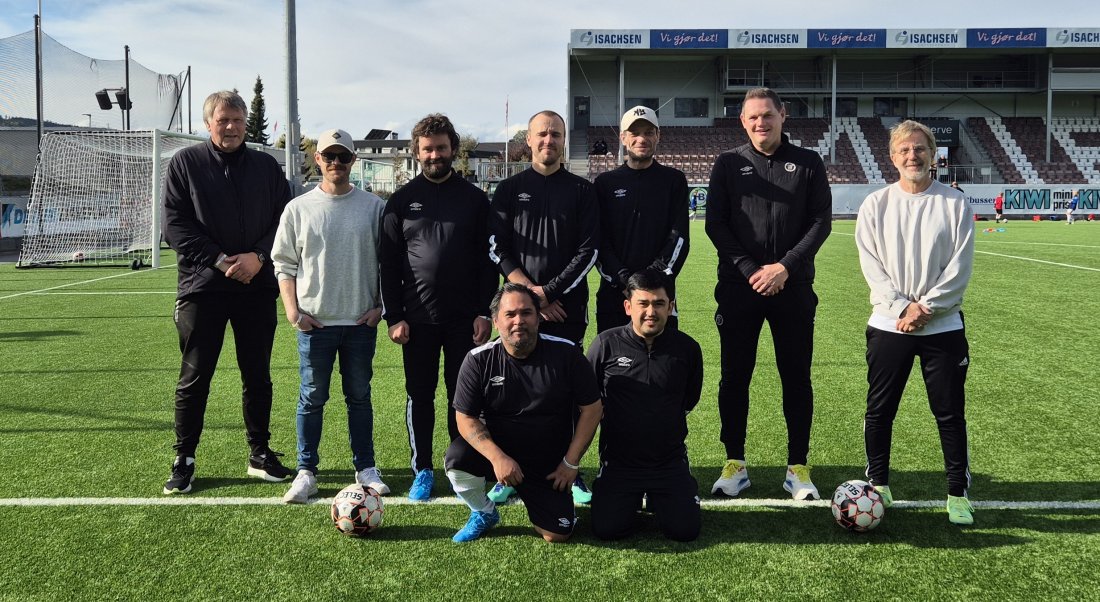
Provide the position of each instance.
(857, 506)
(78, 256)
(357, 510)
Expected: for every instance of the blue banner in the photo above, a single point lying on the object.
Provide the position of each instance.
(846, 38)
(1027, 37)
(689, 38)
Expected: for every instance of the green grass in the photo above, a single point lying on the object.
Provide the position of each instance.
(86, 411)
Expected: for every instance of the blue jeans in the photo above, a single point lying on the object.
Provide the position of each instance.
(317, 351)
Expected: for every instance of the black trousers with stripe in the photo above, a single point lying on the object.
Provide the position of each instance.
(944, 360)
(421, 359)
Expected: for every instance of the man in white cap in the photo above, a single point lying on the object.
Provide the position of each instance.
(643, 218)
(326, 259)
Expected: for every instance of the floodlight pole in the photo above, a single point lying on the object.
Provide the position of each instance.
(129, 101)
(38, 70)
(293, 174)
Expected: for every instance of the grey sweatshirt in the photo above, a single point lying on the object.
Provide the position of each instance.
(328, 244)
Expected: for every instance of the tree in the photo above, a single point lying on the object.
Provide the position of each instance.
(466, 144)
(518, 149)
(256, 128)
(308, 146)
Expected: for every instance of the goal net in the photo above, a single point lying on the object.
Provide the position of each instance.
(96, 198)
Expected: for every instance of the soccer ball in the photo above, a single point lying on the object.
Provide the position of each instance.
(357, 510)
(857, 506)
(78, 256)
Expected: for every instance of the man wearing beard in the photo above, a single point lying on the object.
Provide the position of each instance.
(436, 283)
(643, 218)
(514, 403)
(544, 234)
(326, 259)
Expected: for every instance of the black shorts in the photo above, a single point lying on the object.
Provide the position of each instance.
(672, 495)
(547, 508)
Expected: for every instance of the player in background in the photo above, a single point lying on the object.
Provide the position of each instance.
(643, 218)
(436, 283)
(916, 248)
(769, 210)
(326, 259)
(650, 377)
(545, 234)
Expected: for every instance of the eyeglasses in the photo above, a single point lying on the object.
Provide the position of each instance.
(916, 150)
(342, 158)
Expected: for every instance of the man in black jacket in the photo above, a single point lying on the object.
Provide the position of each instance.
(769, 210)
(650, 376)
(222, 204)
(643, 218)
(544, 234)
(436, 283)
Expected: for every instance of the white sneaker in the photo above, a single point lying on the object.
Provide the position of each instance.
(798, 483)
(734, 478)
(304, 485)
(370, 477)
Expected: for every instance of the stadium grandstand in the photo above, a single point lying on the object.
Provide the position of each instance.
(1014, 110)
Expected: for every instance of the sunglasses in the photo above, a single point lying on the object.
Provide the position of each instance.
(342, 158)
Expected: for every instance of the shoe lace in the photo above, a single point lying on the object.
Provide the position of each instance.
(423, 478)
(801, 472)
(959, 504)
(731, 468)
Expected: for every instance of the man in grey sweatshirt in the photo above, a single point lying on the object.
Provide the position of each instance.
(326, 259)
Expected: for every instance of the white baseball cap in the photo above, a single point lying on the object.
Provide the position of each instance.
(333, 138)
(638, 112)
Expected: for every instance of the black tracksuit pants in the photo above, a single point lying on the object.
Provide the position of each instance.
(200, 321)
(790, 316)
(421, 360)
(672, 495)
(944, 361)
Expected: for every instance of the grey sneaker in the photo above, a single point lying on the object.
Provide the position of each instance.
(370, 477)
(304, 485)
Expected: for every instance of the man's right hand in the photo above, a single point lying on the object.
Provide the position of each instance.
(913, 318)
(554, 312)
(399, 333)
(507, 470)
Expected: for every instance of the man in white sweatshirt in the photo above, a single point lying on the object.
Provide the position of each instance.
(916, 249)
(326, 259)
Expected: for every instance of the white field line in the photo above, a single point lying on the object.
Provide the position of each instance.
(454, 501)
(1063, 265)
(108, 293)
(53, 288)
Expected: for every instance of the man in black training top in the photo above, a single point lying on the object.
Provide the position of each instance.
(650, 377)
(514, 405)
(222, 202)
(544, 234)
(769, 210)
(436, 283)
(643, 218)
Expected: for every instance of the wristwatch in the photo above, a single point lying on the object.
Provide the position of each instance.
(261, 257)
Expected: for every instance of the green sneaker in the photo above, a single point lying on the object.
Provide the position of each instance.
(959, 510)
(884, 493)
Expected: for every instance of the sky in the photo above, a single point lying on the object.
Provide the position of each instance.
(385, 64)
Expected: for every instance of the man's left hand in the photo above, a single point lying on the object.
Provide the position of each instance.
(769, 279)
(562, 478)
(244, 267)
(371, 317)
(482, 329)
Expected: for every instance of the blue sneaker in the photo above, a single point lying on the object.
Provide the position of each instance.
(500, 493)
(421, 490)
(479, 523)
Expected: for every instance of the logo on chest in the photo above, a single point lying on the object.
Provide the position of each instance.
(523, 197)
(415, 207)
(790, 167)
(624, 362)
(496, 381)
(746, 170)
(620, 193)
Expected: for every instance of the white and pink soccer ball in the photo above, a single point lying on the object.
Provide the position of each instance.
(357, 510)
(857, 506)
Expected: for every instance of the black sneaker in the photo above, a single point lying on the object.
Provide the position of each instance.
(266, 466)
(183, 472)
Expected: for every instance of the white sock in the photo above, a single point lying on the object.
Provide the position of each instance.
(471, 489)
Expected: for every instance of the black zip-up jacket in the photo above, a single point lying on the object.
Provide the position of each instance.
(765, 209)
(548, 226)
(434, 252)
(647, 394)
(217, 202)
(643, 222)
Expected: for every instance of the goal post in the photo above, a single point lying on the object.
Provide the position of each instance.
(97, 196)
